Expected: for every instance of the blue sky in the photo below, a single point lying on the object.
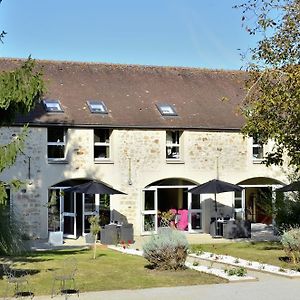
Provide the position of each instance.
(196, 33)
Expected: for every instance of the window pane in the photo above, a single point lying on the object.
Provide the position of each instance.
(196, 202)
(196, 220)
(53, 210)
(258, 152)
(89, 203)
(237, 194)
(101, 135)
(105, 201)
(149, 222)
(101, 152)
(56, 134)
(172, 137)
(69, 202)
(69, 225)
(149, 200)
(238, 203)
(56, 151)
(172, 152)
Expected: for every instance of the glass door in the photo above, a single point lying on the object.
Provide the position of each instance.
(239, 205)
(68, 208)
(149, 212)
(195, 213)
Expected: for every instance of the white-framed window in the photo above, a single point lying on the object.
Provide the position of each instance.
(173, 144)
(102, 144)
(56, 143)
(257, 149)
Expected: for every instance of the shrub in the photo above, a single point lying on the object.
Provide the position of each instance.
(167, 250)
(290, 241)
(240, 272)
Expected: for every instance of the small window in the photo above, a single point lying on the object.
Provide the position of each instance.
(97, 107)
(52, 105)
(257, 149)
(101, 144)
(166, 109)
(173, 144)
(56, 143)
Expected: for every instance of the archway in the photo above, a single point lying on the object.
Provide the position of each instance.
(256, 202)
(69, 212)
(167, 203)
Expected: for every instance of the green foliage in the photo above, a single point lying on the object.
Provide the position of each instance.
(94, 224)
(20, 89)
(290, 240)
(11, 233)
(240, 272)
(271, 106)
(9, 152)
(167, 250)
(287, 209)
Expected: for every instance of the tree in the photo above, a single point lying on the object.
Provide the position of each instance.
(272, 103)
(20, 89)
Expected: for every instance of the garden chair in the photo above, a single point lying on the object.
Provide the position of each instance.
(65, 278)
(17, 279)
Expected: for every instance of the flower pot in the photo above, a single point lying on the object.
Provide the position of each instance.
(55, 238)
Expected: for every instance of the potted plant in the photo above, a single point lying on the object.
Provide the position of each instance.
(94, 230)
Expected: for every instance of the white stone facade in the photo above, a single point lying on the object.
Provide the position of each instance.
(138, 158)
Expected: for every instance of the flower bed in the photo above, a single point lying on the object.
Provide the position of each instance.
(251, 265)
(209, 270)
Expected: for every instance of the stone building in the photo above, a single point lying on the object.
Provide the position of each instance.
(151, 132)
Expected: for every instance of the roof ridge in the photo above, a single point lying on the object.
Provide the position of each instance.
(138, 66)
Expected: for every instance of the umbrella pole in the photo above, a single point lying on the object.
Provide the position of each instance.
(216, 213)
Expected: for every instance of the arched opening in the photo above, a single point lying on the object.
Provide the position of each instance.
(256, 201)
(166, 203)
(69, 212)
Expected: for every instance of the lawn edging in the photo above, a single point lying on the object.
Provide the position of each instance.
(209, 270)
(251, 265)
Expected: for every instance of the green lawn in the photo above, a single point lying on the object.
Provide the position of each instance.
(111, 270)
(264, 252)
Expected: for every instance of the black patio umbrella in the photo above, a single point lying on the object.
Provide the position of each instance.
(93, 187)
(215, 186)
(294, 186)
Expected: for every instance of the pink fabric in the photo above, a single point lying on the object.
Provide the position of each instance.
(183, 221)
(173, 211)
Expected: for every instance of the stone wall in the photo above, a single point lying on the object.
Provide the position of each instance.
(137, 159)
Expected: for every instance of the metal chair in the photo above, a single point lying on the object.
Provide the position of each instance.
(66, 278)
(17, 278)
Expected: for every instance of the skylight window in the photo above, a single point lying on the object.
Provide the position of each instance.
(166, 109)
(52, 106)
(97, 107)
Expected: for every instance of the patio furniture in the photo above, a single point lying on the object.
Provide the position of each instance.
(126, 232)
(17, 279)
(66, 278)
(183, 220)
(234, 229)
(110, 235)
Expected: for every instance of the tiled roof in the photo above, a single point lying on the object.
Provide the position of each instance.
(130, 93)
